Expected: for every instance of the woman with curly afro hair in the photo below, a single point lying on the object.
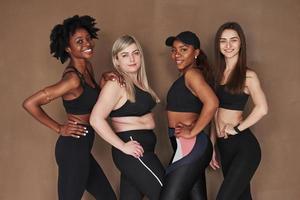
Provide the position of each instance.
(77, 169)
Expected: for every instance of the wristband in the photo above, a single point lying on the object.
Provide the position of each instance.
(237, 129)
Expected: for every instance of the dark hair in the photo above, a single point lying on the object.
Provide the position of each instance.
(190, 38)
(202, 63)
(236, 80)
(60, 34)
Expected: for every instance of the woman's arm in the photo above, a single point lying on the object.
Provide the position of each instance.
(111, 76)
(260, 104)
(111, 94)
(214, 163)
(213, 131)
(33, 105)
(196, 83)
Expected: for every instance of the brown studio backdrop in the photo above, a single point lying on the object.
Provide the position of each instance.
(28, 169)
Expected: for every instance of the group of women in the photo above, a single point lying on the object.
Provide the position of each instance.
(202, 95)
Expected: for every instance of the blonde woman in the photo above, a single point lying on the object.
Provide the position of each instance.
(131, 134)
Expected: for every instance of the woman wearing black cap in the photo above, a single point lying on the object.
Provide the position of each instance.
(191, 104)
(238, 147)
(77, 168)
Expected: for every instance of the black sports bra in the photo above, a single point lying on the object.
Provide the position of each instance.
(143, 104)
(231, 101)
(87, 99)
(181, 99)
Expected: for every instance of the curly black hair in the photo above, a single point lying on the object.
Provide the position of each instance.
(60, 34)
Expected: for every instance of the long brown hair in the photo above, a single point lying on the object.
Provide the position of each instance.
(236, 80)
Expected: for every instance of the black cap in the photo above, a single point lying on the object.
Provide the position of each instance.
(186, 37)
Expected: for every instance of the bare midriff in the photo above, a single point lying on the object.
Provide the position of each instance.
(186, 118)
(81, 119)
(226, 116)
(121, 124)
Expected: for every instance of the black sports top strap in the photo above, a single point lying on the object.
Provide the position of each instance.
(85, 102)
(80, 76)
(92, 77)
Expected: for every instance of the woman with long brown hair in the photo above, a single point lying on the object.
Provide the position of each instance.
(235, 82)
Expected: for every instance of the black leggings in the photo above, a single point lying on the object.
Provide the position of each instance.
(240, 157)
(185, 178)
(136, 179)
(78, 170)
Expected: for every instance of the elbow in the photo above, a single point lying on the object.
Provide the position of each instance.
(102, 83)
(261, 110)
(210, 107)
(214, 104)
(264, 111)
(26, 104)
(93, 121)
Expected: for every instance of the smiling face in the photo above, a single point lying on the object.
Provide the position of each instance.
(184, 55)
(230, 43)
(129, 59)
(80, 45)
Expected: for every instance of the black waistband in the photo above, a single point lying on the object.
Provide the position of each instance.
(146, 138)
(171, 132)
(243, 132)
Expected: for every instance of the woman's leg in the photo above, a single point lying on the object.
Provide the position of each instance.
(199, 191)
(73, 160)
(146, 174)
(78, 170)
(180, 183)
(128, 190)
(185, 176)
(240, 157)
(97, 183)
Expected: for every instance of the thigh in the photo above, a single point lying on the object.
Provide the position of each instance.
(246, 195)
(228, 151)
(184, 173)
(73, 168)
(146, 176)
(97, 183)
(128, 191)
(238, 175)
(179, 183)
(198, 191)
